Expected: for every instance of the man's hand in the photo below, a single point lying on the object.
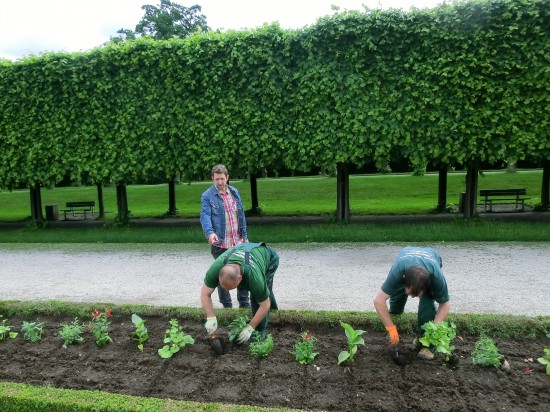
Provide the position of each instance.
(245, 334)
(213, 239)
(211, 325)
(394, 336)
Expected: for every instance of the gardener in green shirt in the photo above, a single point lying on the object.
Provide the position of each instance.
(247, 266)
(415, 273)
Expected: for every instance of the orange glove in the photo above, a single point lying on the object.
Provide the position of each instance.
(394, 336)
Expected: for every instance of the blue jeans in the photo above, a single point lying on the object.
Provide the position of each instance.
(224, 295)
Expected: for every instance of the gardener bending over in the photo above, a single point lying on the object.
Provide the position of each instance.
(247, 266)
(415, 273)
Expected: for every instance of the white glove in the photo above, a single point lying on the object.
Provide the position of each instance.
(211, 325)
(245, 334)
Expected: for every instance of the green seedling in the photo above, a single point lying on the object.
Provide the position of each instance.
(71, 332)
(99, 326)
(141, 334)
(175, 339)
(485, 353)
(5, 331)
(354, 339)
(236, 326)
(304, 349)
(261, 348)
(32, 331)
(545, 360)
(439, 336)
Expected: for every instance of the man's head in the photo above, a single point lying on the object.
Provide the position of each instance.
(220, 177)
(416, 280)
(230, 276)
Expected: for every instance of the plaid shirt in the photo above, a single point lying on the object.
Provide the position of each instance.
(231, 221)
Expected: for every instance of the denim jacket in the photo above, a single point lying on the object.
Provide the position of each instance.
(213, 213)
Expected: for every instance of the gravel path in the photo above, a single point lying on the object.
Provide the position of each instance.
(482, 277)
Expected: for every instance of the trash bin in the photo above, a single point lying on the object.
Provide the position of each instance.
(461, 201)
(52, 212)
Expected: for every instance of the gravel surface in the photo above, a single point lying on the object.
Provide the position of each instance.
(482, 277)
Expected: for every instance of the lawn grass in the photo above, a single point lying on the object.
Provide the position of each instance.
(369, 195)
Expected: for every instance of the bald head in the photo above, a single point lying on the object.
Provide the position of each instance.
(230, 276)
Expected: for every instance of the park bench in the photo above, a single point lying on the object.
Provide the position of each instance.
(79, 208)
(492, 197)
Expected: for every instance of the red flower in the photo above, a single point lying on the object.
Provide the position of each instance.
(528, 370)
(96, 313)
(108, 313)
(308, 337)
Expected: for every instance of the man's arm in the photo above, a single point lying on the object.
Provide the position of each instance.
(442, 312)
(261, 313)
(206, 217)
(206, 301)
(382, 308)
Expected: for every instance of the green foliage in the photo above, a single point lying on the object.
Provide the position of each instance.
(260, 347)
(71, 332)
(32, 331)
(236, 326)
(175, 339)
(304, 349)
(141, 334)
(439, 336)
(354, 339)
(5, 331)
(486, 353)
(545, 360)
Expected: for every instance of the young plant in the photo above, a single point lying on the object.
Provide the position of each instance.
(32, 331)
(236, 326)
(175, 339)
(545, 360)
(354, 339)
(304, 349)
(99, 326)
(5, 331)
(485, 353)
(261, 348)
(440, 336)
(71, 332)
(140, 335)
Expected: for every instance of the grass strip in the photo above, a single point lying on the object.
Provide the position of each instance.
(17, 397)
(495, 325)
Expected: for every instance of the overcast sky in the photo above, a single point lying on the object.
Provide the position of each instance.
(35, 26)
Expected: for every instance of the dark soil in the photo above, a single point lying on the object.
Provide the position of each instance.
(374, 382)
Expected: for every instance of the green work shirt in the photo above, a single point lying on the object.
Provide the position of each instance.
(418, 256)
(254, 281)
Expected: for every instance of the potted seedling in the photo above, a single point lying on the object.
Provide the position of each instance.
(439, 336)
(259, 347)
(236, 326)
(486, 353)
(354, 339)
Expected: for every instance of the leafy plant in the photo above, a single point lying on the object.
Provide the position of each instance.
(5, 331)
(304, 349)
(32, 331)
(175, 339)
(485, 353)
(141, 334)
(261, 348)
(354, 339)
(545, 360)
(71, 332)
(236, 326)
(440, 336)
(99, 326)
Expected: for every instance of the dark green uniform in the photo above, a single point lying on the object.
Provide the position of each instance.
(258, 273)
(437, 291)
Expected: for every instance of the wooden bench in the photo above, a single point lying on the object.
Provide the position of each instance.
(77, 208)
(503, 197)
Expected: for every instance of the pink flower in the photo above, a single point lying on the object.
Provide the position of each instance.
(528, 370)
(308, 337)
(108, 313)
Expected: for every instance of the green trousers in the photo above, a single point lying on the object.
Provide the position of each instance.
(426, 308)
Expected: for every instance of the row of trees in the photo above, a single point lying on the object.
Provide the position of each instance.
(465, 83)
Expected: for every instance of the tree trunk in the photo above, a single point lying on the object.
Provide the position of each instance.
(545, 189)
(122, 203)
(342, 189)
(255, 210)
(172, 209)
(442, 189)
(470, 201)
(100, 203)
(36, 204)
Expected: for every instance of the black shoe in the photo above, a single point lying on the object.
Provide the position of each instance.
(244, 305)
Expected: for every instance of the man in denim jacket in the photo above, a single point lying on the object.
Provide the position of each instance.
(224, 224)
